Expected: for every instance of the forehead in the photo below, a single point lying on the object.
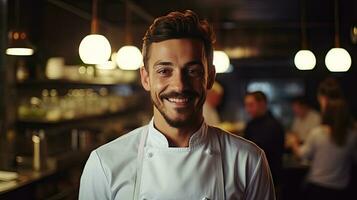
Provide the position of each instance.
(250, 99)
(176, 50)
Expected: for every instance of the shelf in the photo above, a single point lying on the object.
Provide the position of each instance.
(65, 122)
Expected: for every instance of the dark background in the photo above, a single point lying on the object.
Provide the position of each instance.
(272, 28)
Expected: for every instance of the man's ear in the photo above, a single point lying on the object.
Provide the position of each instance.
(145, 79)
(211, 76)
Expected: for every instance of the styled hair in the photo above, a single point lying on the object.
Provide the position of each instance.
(330, 88)
(258, 96)
(337, 117)
(177, 25)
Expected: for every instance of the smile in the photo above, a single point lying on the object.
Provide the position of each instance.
(178, 100)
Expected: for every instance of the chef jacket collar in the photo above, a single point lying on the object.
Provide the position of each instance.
(157, 139)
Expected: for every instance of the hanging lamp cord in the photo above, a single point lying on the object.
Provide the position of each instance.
(303, 25)
(94, 24)
(17, 13)
(128, 36)
(337, 27)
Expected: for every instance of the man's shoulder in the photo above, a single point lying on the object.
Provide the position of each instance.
(116, 159)
(236, 144)
(125, 145)
(240, 156)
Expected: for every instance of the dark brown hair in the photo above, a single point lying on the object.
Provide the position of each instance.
(301, 100)
(337, 117)
(179, 25)
(330, 88)
(258, 96)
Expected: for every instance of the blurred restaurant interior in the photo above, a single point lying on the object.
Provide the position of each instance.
(57, 105)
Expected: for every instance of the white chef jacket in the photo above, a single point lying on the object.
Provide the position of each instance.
(216, 165)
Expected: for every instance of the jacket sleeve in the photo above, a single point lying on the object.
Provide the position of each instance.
(94, 184)
(261, 184)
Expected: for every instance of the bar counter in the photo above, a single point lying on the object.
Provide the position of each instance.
(60, 179)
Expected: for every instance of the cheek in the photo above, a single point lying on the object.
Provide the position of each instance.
(251, 108)
(200, 84)
(157, 86)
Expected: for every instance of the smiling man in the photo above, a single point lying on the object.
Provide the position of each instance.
(177, 156)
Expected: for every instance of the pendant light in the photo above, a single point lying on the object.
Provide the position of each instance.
(337, 59)
(304, 59)
(221, 61)
(19, 45)
(128, 57)
(94, 48)
(220, 58)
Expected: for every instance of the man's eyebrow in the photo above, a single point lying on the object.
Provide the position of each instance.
(160, 62)
(194, 62)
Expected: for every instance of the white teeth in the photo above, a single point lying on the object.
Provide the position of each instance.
(178, 100)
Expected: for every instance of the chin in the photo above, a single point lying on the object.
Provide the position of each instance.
(179, 117)
(179, 122)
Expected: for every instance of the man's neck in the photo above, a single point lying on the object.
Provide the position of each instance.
(177, 137)
(261, 114)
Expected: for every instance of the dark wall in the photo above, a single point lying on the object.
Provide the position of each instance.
(3, 37)
(277, 45)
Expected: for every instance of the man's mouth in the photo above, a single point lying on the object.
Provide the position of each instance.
(178, 99)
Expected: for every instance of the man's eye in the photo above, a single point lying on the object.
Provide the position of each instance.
(164, 72)
(195, 72)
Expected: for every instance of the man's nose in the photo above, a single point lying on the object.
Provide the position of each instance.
(180, 81)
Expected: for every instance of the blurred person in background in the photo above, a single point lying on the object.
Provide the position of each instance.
(265, 130)
(305, 118)
(331, 146)
(213, 99)
(329, 89)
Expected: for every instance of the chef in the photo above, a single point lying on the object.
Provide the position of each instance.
(177, 155)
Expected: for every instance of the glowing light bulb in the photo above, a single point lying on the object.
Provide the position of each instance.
(129, 58)
(305, 60)
(94, 49)
(221, 61)
(338, 60)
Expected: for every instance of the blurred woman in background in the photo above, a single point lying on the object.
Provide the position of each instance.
(330, 147)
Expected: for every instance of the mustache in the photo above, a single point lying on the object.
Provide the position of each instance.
(184, 94)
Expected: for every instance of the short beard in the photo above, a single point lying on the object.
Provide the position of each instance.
(179, 123)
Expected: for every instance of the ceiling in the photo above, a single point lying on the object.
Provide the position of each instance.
(258, 28)
(246, 11)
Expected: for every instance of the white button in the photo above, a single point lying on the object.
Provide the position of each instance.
(150, 154)
(209, 152)
(205, 198)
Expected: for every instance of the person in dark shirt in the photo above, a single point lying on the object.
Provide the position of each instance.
(264, 130)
